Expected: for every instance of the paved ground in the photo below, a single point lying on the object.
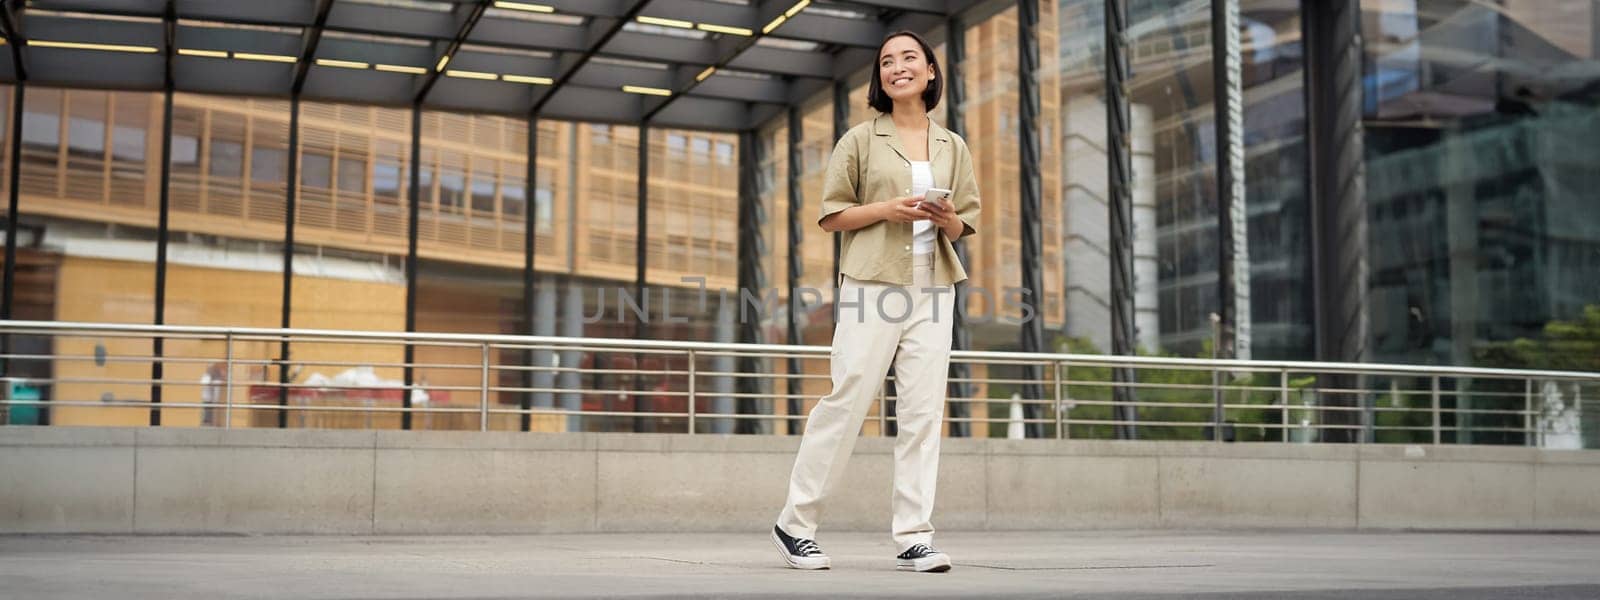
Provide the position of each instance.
(1124, 565)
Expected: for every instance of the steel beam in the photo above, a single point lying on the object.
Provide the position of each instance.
(956, 122)
(530, 302)
(1119, 182)
(1233, 266)
(1337, 188)
(474, 12)
(414, 211)
(163, 231)
(14, 40)
(1029, 181)
(796, 265)
(641, 268)
(308, 52)
(11, 28)
(582, 59)
(291, 198)
(752, 278)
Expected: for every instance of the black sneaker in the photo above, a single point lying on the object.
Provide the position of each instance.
(800, 553)
(923, 559)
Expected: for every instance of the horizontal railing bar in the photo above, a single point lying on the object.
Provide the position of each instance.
(989, 357)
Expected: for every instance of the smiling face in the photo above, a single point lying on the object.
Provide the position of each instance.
(903, 69)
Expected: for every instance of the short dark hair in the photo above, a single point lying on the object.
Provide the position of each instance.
(882, 102)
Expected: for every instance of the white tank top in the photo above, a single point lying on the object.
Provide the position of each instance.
(922, 233)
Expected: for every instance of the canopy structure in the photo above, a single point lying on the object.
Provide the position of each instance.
(724, 65)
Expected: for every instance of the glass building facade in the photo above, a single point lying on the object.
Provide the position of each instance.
(1478, 119)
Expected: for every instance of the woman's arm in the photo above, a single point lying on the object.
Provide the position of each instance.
(899, 210)
(843, 208)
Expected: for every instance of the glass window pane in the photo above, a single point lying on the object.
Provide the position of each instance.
(226, 158)
(513, 198)
(128, 143)
(1480, 127)
(316, 170)
(482, 196)
(451, 191)
(352, 175)
(386, 181)
(268, 165)
(86, 136)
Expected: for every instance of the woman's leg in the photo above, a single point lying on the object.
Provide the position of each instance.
(863, 346)
(920, 372)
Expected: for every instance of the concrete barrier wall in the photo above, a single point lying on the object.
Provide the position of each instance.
(161, 481)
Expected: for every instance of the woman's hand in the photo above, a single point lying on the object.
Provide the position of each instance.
(903, 210)
(946, 220)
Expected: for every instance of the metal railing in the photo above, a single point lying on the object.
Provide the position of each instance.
(100, 373)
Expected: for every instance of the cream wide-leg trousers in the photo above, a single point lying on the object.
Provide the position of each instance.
(877, 320)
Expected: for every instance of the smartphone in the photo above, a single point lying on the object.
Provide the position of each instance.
(938, 197)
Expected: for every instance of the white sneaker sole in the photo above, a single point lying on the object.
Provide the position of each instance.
(799, 562)
(937, 563)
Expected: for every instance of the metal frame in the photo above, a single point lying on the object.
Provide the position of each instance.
(1233, 266)
(16, 43)
(163, 229)
(473, 12)
(796, 264)
(807, 49)
(1336, 180)
(752, 277)
(641, 266)
(291, 211)
(530, 193)
(1119, 182)
(956, 122)
(586, 66)
(1029, 182)
(414, 202)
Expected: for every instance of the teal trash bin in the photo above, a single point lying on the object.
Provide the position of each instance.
(24, 409)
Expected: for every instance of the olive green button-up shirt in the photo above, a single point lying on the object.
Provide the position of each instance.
(870, 165)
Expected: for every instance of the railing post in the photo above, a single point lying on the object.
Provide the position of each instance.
(1218, 414)
(1369, 412)
(1060, 422)
(1437, 437)
(227, 382)
(691, 391)
(1283, 401)
(1528, 432)
(884, 415)
(483, 392)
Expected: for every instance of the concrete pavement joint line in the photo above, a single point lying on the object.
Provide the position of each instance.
(1087, 568)
(1161, 513)
(1535, 508)
(597, 499)
(1358, 462)
(372, 509)
(670, 560)
(133, 507)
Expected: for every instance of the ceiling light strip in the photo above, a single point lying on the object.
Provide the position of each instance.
(471, 75)
(524, 6)
(409, 70)
(278, 58)
(665, 22)
(527, 79)
(343, 64)
(648, 91)
(725, 29)
(89, 46)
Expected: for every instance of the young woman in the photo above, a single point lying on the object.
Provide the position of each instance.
(896, 297)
